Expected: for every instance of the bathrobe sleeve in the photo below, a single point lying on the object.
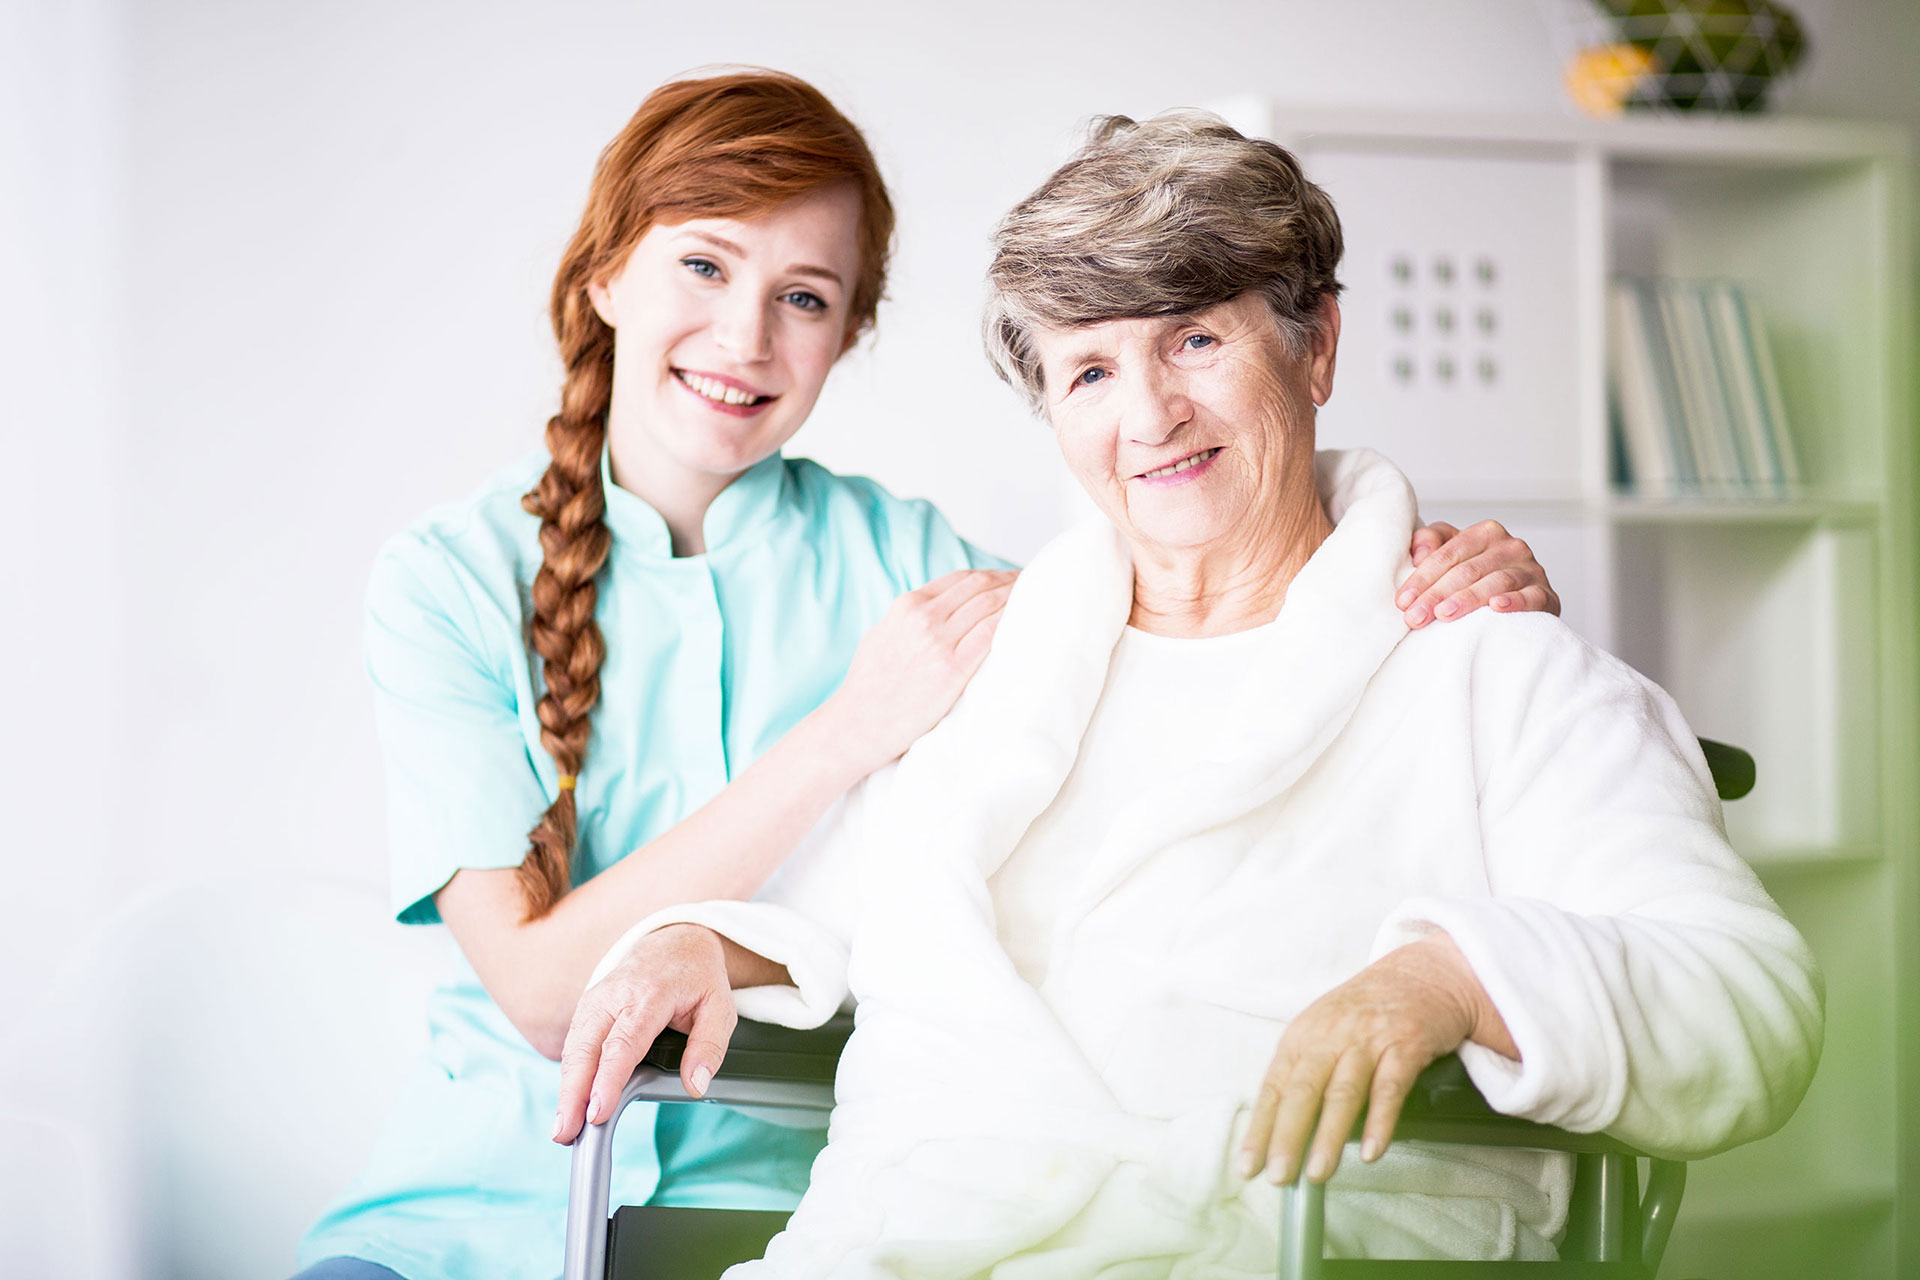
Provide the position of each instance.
(1652, 987)
(804, 918)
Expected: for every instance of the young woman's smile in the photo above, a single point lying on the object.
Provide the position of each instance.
(723, 394)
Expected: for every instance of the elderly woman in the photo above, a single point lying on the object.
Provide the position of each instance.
(1209, 793)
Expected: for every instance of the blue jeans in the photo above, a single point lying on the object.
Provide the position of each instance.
(347, 1269)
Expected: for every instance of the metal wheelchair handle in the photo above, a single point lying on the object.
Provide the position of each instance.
(747, 1079)
(592, 1182)
(1303, 1225)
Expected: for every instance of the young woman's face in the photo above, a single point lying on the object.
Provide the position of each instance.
(725, 330)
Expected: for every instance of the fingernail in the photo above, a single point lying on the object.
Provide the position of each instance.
(1279, 1172)
(1501, 602)
(597, 1112)
(1247, 1164)
(1402, 600)
(1316, 1167)
(1417, 615)
(1447, 609)
(702, 1076)
(556, 1128)
(1370, 1150)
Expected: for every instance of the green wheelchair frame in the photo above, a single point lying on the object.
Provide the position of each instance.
(1614, 1229)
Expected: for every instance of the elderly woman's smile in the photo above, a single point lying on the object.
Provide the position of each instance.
(1184, 467)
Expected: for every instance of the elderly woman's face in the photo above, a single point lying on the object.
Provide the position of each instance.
(1181, 428)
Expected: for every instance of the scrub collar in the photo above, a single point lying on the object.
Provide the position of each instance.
(753, 499)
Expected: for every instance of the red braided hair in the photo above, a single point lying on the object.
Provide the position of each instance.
(736, 145)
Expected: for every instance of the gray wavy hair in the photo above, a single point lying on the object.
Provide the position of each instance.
(1159, 217)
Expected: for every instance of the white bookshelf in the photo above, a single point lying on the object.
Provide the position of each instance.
(1783, 624)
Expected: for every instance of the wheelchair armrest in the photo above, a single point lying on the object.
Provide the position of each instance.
(760, 1051)
(1444, 1106)
(1732, 769)
(1610, 1222)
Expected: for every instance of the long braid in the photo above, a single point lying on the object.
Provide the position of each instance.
(574, 542)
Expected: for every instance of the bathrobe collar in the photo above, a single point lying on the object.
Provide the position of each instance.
(1336, 627)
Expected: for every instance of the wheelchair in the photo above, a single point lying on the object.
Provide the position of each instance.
(1615, 1229)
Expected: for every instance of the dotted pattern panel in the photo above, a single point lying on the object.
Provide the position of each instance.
(1458, 356)
(1444, 317)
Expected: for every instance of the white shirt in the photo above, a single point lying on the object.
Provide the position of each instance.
(1165, 699)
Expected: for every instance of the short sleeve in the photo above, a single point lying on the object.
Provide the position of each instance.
(462, 790)
(924, 546)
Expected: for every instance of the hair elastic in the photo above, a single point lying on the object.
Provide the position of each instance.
(568, 781)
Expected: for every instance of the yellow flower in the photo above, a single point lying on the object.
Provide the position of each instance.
(1601, 79)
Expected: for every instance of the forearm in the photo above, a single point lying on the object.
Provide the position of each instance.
(535, 970)
(1489, 1029)
(731, 845)
(745, 968)
(751, 969)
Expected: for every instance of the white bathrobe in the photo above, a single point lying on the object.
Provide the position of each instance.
(1496, 777)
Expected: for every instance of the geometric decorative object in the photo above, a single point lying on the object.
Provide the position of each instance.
(1695, 56)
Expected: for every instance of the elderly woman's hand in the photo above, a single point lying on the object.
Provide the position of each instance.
(1455, 571)
(674, 977)
(1362, 1045)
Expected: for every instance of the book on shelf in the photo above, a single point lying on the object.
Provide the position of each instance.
(1694, 398)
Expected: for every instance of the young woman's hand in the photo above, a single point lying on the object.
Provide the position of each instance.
(674, 977)
(1362, 1045)
(1455, 571)
(914, 663)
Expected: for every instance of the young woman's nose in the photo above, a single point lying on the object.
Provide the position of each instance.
(744, 330)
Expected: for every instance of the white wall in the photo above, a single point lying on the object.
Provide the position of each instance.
(62, 197)
(275, 278)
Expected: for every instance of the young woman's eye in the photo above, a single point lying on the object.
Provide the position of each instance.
(1198, 341)
(1090, 376)
(702, 267)
(807, 301)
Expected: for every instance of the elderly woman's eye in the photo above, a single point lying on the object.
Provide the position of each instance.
(1090, 376)
(1198, 341)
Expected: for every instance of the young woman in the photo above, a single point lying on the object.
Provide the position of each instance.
(664, 650)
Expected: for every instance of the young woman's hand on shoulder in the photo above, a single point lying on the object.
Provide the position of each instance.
(915, 662)
(1456, 571)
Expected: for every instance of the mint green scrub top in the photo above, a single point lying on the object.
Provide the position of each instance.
(710, 659)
